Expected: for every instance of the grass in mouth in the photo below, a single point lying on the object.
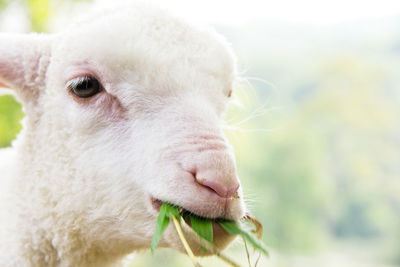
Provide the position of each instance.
(201, 230)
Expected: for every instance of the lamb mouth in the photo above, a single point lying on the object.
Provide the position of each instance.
(156, 203)
(221, 238)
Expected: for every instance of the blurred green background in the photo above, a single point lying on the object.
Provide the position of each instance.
(316, 130)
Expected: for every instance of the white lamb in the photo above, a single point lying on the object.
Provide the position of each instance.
(122, 111)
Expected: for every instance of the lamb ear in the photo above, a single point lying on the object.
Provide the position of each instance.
(24, 59)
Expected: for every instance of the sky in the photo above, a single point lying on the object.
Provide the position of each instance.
(309, 11)
(233, 12)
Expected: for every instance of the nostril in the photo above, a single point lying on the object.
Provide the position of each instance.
(220, 189)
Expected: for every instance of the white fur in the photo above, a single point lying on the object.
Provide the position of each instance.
(76, 185)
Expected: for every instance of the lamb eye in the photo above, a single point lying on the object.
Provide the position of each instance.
(85, 86)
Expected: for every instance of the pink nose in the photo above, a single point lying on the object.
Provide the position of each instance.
(220, 188)
(214, 167)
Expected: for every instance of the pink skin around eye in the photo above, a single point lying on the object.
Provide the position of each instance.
(104, 103)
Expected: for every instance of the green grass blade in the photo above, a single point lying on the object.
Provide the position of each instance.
(202, 227)
(203, 249)
(234, 229)
(161, 225)
(171, 210)
(166, 211)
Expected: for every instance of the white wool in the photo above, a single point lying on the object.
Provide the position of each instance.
(76, 186)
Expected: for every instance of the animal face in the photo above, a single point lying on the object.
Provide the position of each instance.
(131, 109)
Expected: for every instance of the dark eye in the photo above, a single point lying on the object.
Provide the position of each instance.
(85, 86)
(230, 93)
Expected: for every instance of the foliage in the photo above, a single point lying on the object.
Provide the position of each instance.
(166, 211)
(202, 231)
(234, 229)
(202, 227)
(10, 116)
(39, 12)
(4, 4)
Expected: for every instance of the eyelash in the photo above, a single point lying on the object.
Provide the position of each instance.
(84, 86)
